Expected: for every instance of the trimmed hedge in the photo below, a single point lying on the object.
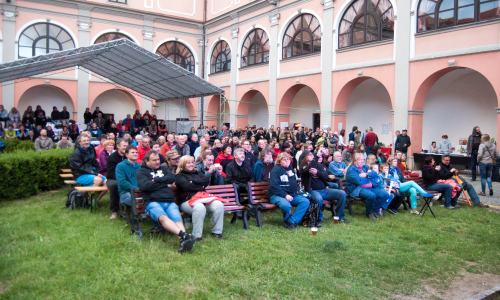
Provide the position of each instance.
(15, 144)
(25, 173)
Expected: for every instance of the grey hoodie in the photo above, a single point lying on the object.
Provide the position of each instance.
(444, 146)
(486, 153)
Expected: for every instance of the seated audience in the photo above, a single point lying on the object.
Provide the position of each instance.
(358, 185)
(64, 143)
(337, 167)
(181, 148)
(264, 165)
(112, 162)
(348, 153)
(126, 177)
(207, 166)
(314, 177)
(172, 160)
(108, 149)
(194, 199)
(225, 157)
(143, 148)
(84, 165)
(155, 183)
(433, 149)
(284, 191)
(237, 172)
(43, 142)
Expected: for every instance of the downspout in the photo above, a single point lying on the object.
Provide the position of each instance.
(203, 59)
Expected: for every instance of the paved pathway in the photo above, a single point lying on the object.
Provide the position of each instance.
(490, 200)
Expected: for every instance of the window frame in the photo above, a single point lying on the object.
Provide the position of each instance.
(301, 30)
(176, 54)
(364, 12)
(456, 21)
(115, 33)
(124, 2)
(221, 49)
(46, 36)
(244, 59)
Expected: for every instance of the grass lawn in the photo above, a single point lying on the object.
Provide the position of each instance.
(50, 252)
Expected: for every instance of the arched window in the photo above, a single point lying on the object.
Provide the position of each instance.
(110, 37)
(303, 36)
(43, 38)
(255, 48)
(177, 53)
(221, 58)
(436, 14)
(366, 21)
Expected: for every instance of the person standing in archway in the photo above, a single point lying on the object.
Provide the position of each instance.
(472, 149)
(403, 142)
(370, 140)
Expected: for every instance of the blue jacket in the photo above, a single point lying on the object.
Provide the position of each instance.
(398, 172)
(376, 180)
(334, 169)
(257, 171)
(354, 182)
(126, 176)
(282, 182)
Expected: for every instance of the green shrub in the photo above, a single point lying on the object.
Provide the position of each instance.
(15, 144)
(25, 173)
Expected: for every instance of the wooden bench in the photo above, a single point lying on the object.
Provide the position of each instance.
(66, 170)
(68, 176)
(349, 199)
(257, 195)
(227, 192)
(70, 182)
(92, 190)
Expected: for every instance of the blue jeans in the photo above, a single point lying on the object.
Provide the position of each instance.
(374, 199)
(486, 170)
(126, 199)
(473, 165)
(157, 209)
(368, 150)
(330, 195)
(471, 191)
(299, 202)
(446, 190)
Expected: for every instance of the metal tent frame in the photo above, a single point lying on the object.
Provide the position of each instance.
(123, 62)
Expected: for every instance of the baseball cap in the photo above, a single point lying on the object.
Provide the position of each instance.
(172, 154)
(404, 129)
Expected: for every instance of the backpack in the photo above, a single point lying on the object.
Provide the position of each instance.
(310, 218)
(77, 199)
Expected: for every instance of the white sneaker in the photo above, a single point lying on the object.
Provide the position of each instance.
(113, 216)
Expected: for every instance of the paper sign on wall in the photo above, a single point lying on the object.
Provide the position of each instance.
(340, 127)
(384, 128)
(389, 127)
(283, 124)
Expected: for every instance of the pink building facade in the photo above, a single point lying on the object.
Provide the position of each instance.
(427, 65)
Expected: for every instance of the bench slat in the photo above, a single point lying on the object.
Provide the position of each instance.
(91, 188)
(66, 175)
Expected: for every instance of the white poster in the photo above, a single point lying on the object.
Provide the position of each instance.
(389, 127)
(283, 124)
(325, 125)
(384, 128)
(340, 127)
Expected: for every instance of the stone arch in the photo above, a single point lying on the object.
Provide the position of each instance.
(107, 102)
(298, 105)
(47, 96)
(252, 109)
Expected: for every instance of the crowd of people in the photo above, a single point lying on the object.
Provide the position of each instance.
(302, 166)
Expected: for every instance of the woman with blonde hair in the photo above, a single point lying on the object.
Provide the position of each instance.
(108, 147)
(194, 199)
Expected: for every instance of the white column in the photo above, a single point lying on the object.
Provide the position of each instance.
(402, 74)
(9, 52)
(326, 63)
(234, 74)
(84, 24)
(147, 43)
(273, 69)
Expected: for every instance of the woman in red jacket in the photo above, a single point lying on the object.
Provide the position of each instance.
(224, 157)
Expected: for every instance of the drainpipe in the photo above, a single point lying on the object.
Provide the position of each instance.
(203, 59)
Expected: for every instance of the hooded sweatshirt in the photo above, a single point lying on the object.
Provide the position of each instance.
(153, 184)
(444, 146)
(126, 176)
(486, 153)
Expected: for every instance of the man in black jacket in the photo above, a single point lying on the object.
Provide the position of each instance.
(113, 159)
(403, 142)
(314, 178)
(155, 183)
(84, 165)
(249, 156)
(237, 172)
(446, 172)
